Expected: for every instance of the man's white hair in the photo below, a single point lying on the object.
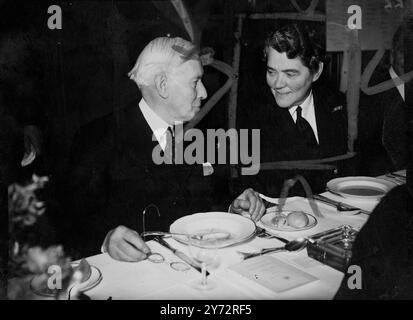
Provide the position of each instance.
(159, 55)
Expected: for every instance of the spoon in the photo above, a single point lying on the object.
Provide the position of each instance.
(206, 236)
(294, 245)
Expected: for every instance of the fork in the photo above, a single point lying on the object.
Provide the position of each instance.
(262, 233)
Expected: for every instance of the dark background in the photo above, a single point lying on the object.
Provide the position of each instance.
(63, 79)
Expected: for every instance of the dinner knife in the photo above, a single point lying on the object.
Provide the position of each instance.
(337, 203)
(398, 178)
(180, 254)
(398, 175)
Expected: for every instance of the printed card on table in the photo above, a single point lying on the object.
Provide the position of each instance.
(273, 273)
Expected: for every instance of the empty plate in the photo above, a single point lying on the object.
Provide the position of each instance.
(238, 228)
(364, 188)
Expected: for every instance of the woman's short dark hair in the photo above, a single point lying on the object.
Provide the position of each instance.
(296, 40)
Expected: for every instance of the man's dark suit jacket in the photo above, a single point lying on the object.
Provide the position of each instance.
(113, 178)
(280, 139)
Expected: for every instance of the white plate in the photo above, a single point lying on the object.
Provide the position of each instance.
(365, 188)
(267, 221)
(37, 283)
(240, 228)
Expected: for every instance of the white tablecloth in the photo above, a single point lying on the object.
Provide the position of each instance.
(148, 280)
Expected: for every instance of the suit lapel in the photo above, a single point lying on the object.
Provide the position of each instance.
(136, 135)
(139, 145)
(331, 123)
(325, 123)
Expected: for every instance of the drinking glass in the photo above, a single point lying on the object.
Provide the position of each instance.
(205, 253)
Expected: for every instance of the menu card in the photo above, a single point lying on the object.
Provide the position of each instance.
(273, 273)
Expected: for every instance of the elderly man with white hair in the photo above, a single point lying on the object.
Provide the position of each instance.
(114, 177)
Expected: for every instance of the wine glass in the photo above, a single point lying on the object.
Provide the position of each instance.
(205, 253)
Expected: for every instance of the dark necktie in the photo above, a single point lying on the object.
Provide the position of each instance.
(170, 143)
(305, 130)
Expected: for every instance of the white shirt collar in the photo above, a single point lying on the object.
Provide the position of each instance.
(155, 122)
(394, 75)
(305, 106)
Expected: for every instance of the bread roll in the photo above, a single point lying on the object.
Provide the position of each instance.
(297, 219)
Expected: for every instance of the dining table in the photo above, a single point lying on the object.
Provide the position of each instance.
(291, 275)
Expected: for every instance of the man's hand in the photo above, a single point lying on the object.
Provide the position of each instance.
(249, 203)
(125, 244)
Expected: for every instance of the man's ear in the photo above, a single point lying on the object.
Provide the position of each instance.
(161, 84)
(319, 71)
